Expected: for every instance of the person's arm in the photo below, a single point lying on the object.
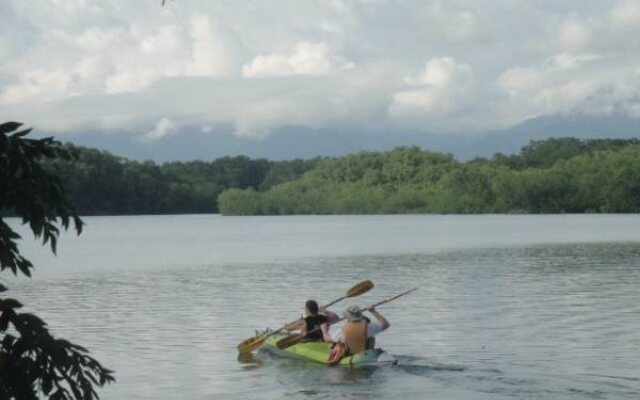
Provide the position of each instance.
(331, 316)
(328, 337)
(383, 321)
(299, 325)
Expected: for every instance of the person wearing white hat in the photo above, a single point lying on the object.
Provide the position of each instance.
(356, 335)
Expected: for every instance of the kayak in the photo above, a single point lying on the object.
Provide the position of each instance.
(319, 352)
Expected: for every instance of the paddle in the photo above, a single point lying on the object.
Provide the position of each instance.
(248, 345)
(295, 339)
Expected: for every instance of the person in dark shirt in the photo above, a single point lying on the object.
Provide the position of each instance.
(310, 322)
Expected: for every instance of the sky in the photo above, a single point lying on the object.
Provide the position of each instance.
(255, 67)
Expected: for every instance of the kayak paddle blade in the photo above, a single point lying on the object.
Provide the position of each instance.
(361, 288)
(249, 345)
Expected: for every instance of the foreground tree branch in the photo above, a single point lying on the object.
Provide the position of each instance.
(32, 362)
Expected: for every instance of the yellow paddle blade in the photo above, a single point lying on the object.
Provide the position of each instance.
(361, 288)
(249, 345)
(289, 341)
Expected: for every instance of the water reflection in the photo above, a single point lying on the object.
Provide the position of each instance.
(344, 375)
(249, 361)
(528, 321)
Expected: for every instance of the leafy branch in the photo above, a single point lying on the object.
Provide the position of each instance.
(32, 361)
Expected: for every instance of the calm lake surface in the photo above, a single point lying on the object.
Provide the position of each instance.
(527, 307)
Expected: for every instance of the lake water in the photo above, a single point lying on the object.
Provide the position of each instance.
(526, 307)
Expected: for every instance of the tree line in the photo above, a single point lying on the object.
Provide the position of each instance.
(559, 175)
(100, 183)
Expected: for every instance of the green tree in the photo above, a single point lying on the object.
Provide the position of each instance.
(563, 175)
(33, 362)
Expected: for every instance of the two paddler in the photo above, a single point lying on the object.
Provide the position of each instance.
(355, 336)
(252, 343)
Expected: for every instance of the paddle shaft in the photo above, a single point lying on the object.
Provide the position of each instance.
(374, 305)
(334, 302)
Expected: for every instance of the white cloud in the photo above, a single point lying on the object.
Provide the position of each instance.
(125, 56)
(438, 90)
(574, 36)
(258, 119)
(306, 58)
(594, 87)
(214, 49)
(567, 61)
(164, 127)
(519, 80)
(149, 53)
(458, 26)
(258, 68)
(95, 39)
(46, 85)
(626, 14)
(439, 71)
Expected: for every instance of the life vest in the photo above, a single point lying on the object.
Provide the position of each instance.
(355, 336)
(354, 341)
(313, 322)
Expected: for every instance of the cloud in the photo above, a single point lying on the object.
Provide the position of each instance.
(625, 14)
(568, 61)
(458, 26)
(164, 127)
(123, 57)
(438, 90)
(201, 48)
(306, 58)
(256, 68)
(215, 49)
(47, 85)
(587, 85)
(574, 36)
(634, 110)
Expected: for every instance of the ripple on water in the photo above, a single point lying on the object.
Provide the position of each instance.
(527, 322)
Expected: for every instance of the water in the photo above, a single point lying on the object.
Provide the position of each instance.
(527, 307)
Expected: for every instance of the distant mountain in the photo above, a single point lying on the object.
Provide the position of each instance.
(578, 126)
(290, 143)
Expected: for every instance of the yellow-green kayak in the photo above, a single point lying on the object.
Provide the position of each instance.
(319, 352)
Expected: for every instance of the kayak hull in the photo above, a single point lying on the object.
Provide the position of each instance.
(319, 352)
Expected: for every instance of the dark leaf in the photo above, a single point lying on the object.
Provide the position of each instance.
(47, 384)
(9, 304)
(22, 133)
(4, 321)
(8, 127)
(57, 395)
(34, 193)
(31, 320)
(25, 266)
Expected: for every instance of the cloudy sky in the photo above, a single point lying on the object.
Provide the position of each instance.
(257, 66)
